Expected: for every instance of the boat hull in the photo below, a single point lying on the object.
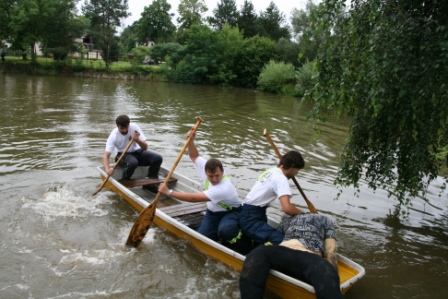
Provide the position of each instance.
(278, 283)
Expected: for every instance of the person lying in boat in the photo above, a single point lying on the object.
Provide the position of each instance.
(137, 154)
(272, 184)
(219, 193)
(308, 238)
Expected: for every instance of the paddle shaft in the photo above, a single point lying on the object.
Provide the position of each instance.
(146, 217)
(308, 203)
(115, 166)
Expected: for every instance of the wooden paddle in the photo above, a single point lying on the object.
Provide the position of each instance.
(308, 203)
(146, 217)
(115, 166)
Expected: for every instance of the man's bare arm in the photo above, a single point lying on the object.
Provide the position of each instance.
(288, 207)
(192, 150)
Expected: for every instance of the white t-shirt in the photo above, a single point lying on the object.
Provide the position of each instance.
(119, 142)
(224, 191)
(270, 185)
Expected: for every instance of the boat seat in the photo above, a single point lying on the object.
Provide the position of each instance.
(189, 214)
(184, 209)
(132, 183)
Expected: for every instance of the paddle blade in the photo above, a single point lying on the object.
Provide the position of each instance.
(141, 226)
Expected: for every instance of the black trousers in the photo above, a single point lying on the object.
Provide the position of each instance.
(140, 158)
(302, 265)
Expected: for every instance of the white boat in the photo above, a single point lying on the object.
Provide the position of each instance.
(181, 218)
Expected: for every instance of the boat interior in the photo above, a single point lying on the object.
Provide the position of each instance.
(189, 214)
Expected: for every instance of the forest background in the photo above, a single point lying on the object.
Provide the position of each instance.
(383, 63)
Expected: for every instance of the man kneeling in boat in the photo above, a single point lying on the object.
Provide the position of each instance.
(308, 238)
(219, 193)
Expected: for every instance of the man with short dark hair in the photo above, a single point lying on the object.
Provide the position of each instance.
(137, 154)
(219, 193)
(272, 184)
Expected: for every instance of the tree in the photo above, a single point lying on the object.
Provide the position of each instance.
(155, 23)
(257, 51)
(229, 43)
(225, 13)
(199, 58)
(27, 26)
(301, 19)
(190, 13)
(288, 51)
(29, 23)
(5, 18)
(305, 33)
(247, 19)
(385, 64)
(168, 51)
(128, 39)
(62, 26)
(271, 23)
(105, 17)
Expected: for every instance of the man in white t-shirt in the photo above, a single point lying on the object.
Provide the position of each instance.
(219, 193)
(271, 185)
(137, 154)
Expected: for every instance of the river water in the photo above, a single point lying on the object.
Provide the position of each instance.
(59, 241)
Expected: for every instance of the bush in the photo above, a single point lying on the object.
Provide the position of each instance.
(275, 76)
(139, 54)
(59, 54)
(306, 77)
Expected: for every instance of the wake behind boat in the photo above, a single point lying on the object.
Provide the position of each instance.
(182, 218)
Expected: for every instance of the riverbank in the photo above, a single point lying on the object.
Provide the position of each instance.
(91, 70)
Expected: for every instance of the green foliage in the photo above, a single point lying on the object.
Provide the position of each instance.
(114, 51)
(256, 51)
(220, 57)
(163, 51)
(61, 25)
(306, 32)
(247, 20)
(306, 78)
(31, 21)
(105, 17)
(287, 51)
(128, 39)
(190, 13)
(191, 70)
(275, 76)
(225, 13)
(58, 53)
(385, 64)
(155, 24)
(229, 44)
(5, 19)
(78, 67)
(139, 54)
(198, 58)
(272, 23)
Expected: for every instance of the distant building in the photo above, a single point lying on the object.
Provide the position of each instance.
(87, 45)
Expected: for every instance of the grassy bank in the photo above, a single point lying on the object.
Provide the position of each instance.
(81, 67)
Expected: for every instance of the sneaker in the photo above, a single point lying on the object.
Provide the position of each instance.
(152, 188)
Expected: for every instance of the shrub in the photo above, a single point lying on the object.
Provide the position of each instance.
(59, 54)
(275, 76)
(306, 77)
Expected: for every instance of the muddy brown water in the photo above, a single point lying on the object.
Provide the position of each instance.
(58, 241)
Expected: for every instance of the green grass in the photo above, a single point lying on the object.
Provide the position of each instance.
(86, 64)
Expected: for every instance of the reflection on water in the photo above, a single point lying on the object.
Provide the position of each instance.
(54, 132)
